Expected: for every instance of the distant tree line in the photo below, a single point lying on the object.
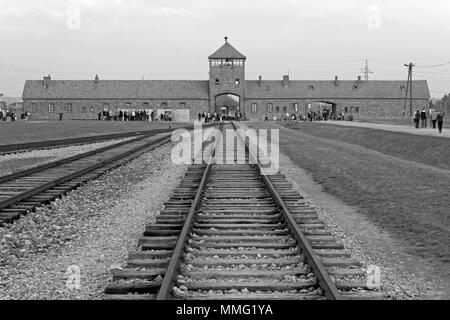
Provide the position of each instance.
(441, 104)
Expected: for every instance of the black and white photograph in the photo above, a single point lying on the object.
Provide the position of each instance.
(239, 158)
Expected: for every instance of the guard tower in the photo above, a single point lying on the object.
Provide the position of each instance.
(227, 80)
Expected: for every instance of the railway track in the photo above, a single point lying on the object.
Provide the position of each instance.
(23, 191)
(60, 143)
(229, 232)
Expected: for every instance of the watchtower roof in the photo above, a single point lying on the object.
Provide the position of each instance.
(227, 51)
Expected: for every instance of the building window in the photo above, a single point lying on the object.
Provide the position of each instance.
(356, 109)
(183, 105)
(106, 106)
(310, 87)
(284, 109)
(92, 109)
(33, 107)
(236, 82)
(277, 109)
(346, 109)
(84, 109)
(267, 88)
(164, 105)
(51, 107)
(269, 108)
(68, 107)
(295, 107)
(402, 88)
(216, 82)
(254, 107)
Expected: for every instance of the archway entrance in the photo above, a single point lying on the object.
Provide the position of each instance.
(323, 108)
(227, 105)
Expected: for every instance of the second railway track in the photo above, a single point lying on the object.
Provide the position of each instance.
(229, 232)
(22, 191)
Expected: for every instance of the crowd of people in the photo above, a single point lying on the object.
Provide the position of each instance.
(208, 117)
(131, 115)
(421, 118)
(321, 115)
(12, 116)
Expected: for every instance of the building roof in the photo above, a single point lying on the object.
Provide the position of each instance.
(328, 90)
(227, 51)
(116, 89)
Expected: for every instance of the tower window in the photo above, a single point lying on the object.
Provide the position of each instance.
(254, 107)
(269, 108)
(236, 82)
(216, 82)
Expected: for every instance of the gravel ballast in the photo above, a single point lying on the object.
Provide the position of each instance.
(11, 163)
(93, 227)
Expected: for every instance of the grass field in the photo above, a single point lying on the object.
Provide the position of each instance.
(408, 199)
(434, 151)
(18, 132)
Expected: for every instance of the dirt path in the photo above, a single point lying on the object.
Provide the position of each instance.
(392, 127)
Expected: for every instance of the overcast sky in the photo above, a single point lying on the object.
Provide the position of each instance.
(171, 39)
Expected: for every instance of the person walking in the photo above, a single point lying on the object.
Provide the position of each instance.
(417, 118)
(423, 117)
(433, 118)
(440, 121)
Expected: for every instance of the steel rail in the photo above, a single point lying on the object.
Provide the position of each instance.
(329, 288)
(22, 173)
(27, 146)
(31, 192)
(172, 269)
(34, 191)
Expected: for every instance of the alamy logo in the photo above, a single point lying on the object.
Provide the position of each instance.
(227, 147)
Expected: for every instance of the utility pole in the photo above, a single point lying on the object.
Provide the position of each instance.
(366, 71)
(409, 88)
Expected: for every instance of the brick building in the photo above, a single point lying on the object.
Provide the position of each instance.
(226, 91)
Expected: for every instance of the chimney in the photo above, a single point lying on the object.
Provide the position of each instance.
(285, 81)
(96, 79)
(359, 78)
(336, 79)
(260, 81)
(47, 79)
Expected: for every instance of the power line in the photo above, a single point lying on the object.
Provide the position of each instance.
(435, 66)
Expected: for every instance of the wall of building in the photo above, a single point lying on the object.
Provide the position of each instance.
(42, 107)
(368, 108)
